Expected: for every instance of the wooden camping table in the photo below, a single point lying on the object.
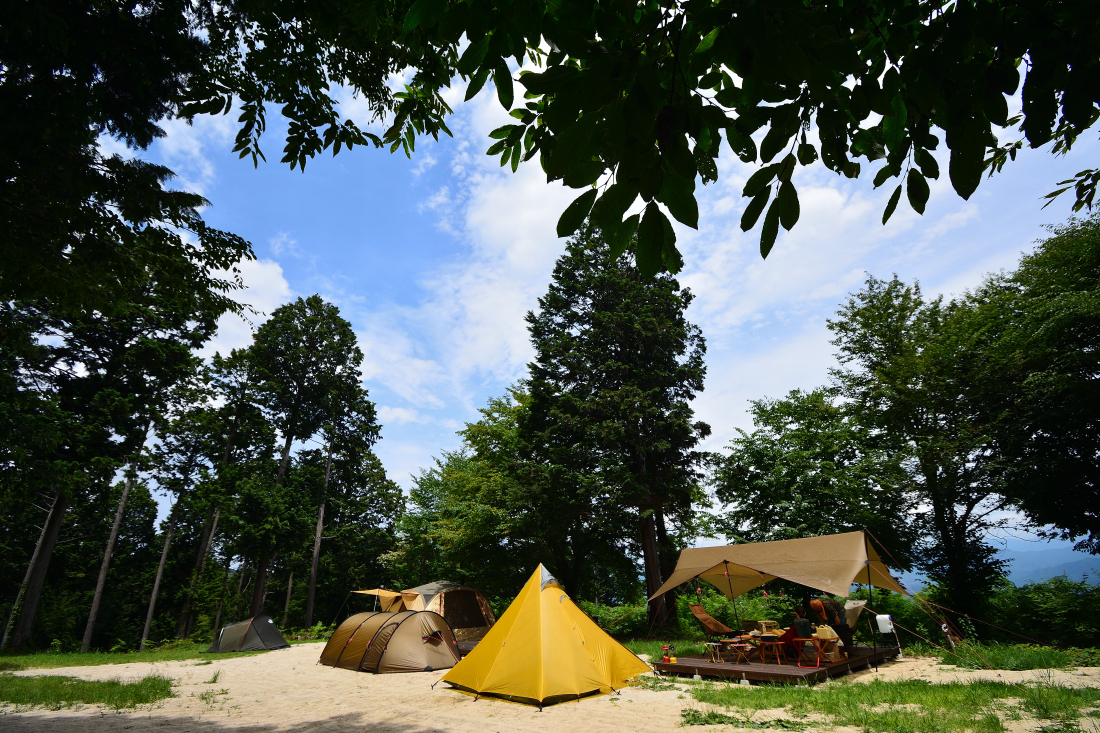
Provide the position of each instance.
(747, 645)
(818, 644)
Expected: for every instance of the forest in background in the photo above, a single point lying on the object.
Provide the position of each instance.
(944, 421)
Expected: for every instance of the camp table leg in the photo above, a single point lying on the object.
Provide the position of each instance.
(815, 643)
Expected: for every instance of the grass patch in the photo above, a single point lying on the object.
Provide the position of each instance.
(653, 648)
(54, 692)
(53, 660)
(210, 697)
(910, 706)
(10, 666)
(1007, 656)
(214, 680)
(689, 716)
(654, 683)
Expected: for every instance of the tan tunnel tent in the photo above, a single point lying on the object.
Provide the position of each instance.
(255, 634)
(379, 641)
(465, 609)
(830, 563)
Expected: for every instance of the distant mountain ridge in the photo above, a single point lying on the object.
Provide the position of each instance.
(1035, 566)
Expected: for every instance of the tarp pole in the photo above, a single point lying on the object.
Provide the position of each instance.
(871, 597)
(732, 598)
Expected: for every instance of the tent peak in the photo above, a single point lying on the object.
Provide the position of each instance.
(547, 578)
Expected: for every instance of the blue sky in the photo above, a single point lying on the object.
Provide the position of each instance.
(435, 261)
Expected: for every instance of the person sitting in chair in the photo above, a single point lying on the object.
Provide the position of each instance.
(790, 634)
(830, 612)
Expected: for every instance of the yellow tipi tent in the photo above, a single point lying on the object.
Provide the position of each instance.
(544, 649)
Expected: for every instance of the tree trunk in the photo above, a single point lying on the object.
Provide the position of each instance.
(160, 574)
(221, 598)
(30, 571)
(210, 526)
(86, 644)
(652, 566)
(257, 606)
(317, 541)
(289, 590)
(37, 573)
(667, 557)
(284, 459)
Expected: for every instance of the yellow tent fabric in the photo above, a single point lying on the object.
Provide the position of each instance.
(830, 563)
(545, 649)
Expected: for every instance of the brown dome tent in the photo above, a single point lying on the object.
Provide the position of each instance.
(254, 634)
(465, 609)
(409, 641)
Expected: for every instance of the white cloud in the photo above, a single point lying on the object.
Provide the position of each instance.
(283, 243)
(265, 290)
(186, 148)
(400, 415)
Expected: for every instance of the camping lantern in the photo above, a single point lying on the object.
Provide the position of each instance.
(672, 653)
(664, 648)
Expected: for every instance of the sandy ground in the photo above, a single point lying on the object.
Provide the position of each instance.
(288, 690)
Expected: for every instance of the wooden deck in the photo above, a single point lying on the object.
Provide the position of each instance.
(789, 672)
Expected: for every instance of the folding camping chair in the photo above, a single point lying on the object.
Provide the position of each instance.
(711, 626)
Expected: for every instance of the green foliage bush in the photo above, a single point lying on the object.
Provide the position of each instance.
(622, 621)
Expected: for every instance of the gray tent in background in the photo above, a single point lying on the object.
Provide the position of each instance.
(255, 634)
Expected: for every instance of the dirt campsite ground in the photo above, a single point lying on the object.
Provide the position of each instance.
(288, 690)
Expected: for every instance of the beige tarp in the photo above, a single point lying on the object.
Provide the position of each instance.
(388, 600)
(830, 563)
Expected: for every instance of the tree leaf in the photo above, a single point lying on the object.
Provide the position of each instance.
(893, 125)
(574, 214)
(928, 165)
(893, 204)
(807, 154)
(424, 12)
(887, 171)
(677, 195)
(789, 209)
(708, 41)
(669, 254)
(651, 240)
(474, 55)
(622, 235)
(770, 230)
(752, 211)
(477, 82)
(608, 212)
(916, 188)
(758, 180)
(776, 139)
(503, 80)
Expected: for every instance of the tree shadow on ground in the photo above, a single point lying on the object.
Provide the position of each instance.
(108, 722)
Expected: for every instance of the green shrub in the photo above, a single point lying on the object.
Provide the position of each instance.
(54, 692)
(619, 621)
(652, 647)
(1084, 657)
